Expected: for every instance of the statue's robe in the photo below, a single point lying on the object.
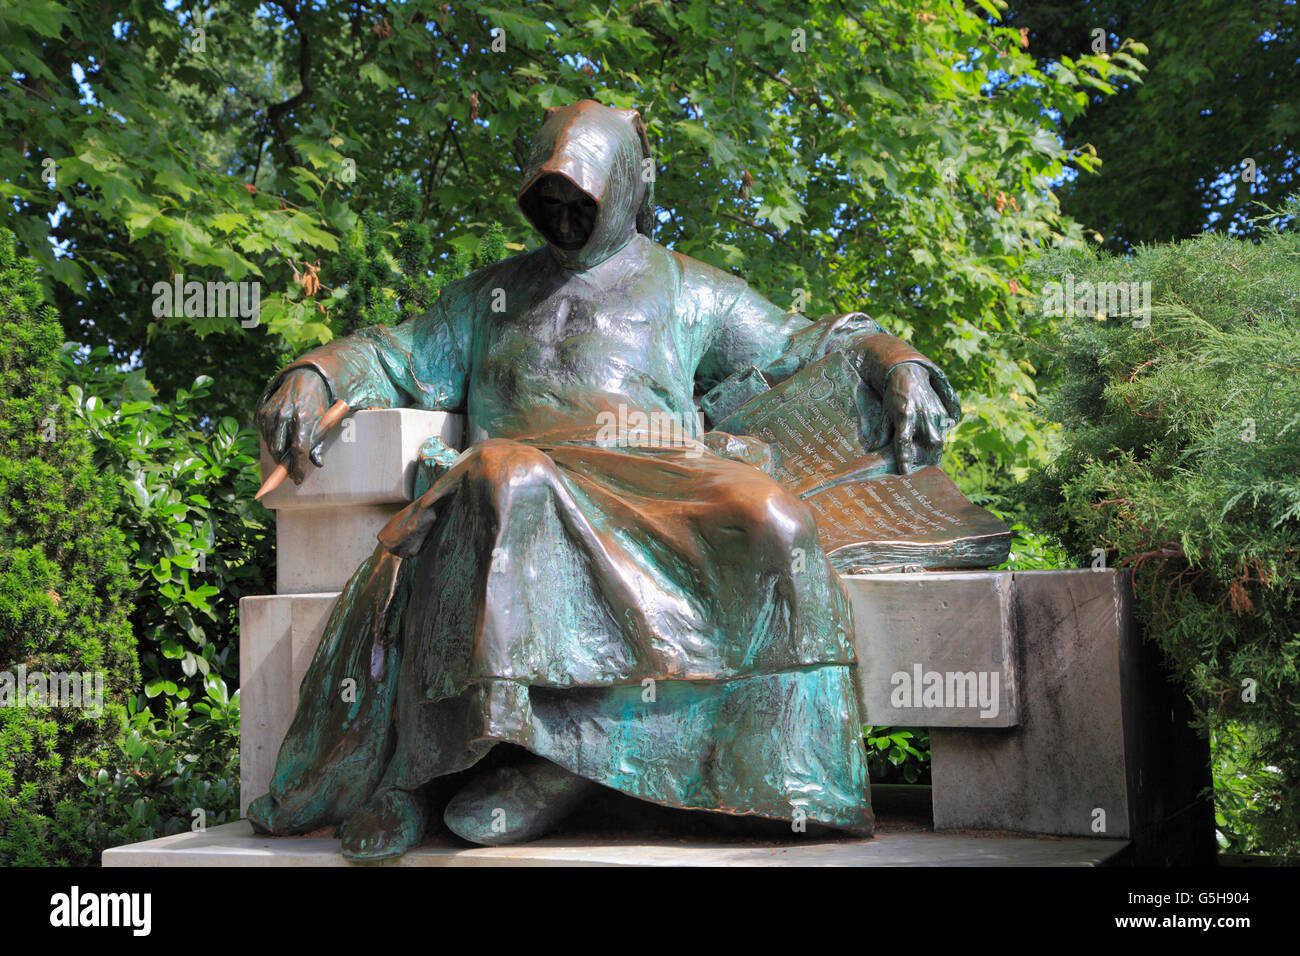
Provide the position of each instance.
(657, 619)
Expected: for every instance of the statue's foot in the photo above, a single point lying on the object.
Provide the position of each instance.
(262, 814)
(389, 825)
(515, 804)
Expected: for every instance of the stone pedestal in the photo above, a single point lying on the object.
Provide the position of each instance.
(1103, 745)
(1064, 768)
(279, 634)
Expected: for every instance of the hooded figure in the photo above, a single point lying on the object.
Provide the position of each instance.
(653, 616)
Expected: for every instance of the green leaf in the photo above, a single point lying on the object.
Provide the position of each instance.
(228, 221)
(171, 180)
(373, 74)
(46, 18)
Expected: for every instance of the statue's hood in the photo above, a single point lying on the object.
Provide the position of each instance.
(600, 150)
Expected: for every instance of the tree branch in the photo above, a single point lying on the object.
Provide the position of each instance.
(754, 225)
(275, 114)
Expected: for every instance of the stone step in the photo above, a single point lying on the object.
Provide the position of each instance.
(235, 844)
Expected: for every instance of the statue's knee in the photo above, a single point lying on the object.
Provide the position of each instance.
(777, 522)
(792, 523)
(510, 466)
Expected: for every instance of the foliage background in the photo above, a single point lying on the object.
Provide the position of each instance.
(1220, 91)
(64, 585)
(197, 541)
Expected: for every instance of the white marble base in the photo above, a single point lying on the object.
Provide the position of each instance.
(235, 844)
(326, 526)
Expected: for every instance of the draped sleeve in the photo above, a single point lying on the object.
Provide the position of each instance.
(421, 363)
(748, 330)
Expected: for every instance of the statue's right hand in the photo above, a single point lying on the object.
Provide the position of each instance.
(290, 417)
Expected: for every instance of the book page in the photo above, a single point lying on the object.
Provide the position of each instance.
(866, 515)
(925, 510)
(811, 422)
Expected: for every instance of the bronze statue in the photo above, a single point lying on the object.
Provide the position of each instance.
(656, 617)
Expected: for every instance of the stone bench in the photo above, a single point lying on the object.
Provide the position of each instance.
(1046, 712)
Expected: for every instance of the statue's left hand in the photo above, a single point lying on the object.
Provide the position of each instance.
(917, 415)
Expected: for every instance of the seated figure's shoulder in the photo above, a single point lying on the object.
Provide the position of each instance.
(476, 290)
(713, 288)
(702, 275)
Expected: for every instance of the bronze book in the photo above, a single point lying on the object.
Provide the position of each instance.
(830, 446)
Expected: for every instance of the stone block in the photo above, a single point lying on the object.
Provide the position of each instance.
(935, 649)
(1103, 747)
(369, 460)
(1065, 763)
(318, 549)
(279, 634)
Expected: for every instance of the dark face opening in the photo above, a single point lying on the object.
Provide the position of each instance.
(562, 212)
